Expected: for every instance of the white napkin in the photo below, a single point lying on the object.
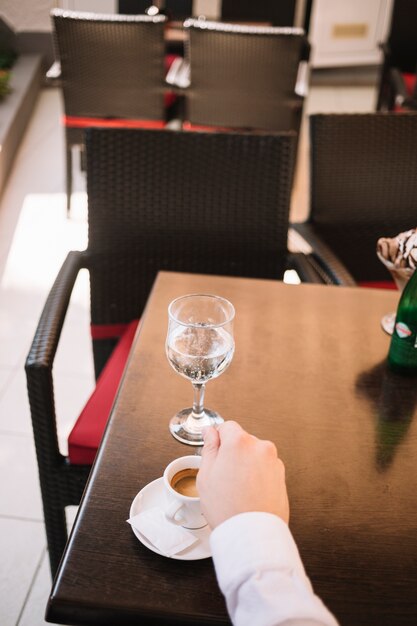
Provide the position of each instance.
(164, 535)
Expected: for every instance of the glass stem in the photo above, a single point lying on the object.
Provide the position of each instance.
(198, 402)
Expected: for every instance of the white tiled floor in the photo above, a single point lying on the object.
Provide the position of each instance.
(34, 238)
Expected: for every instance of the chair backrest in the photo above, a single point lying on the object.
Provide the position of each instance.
(111, 65)
(363, 184)
(244, 76)
(196, 202)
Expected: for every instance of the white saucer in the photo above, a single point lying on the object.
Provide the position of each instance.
(153, 495)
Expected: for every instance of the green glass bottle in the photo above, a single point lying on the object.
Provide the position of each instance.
(402, 356)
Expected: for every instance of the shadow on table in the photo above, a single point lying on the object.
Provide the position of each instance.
(393, 399)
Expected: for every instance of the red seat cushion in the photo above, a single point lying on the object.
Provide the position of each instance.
(73, 121)
(88, 430)
(410, 81)
(207, 129)
(379, 284)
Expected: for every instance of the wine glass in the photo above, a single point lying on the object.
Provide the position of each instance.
(200, 347)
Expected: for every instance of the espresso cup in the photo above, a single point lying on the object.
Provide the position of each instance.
(183, 502)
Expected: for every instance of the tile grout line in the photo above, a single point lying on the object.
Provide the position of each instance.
(19, 518)
(35, 574)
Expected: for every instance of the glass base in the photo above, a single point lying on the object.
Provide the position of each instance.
(189, 429)
(388, 322)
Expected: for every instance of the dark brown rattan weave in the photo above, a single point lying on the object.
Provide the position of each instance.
(363, 185)
(201, 202)
(197, 202)
(244, 76)
(61, 484)
(112, 66)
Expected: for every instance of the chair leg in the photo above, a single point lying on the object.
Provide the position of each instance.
(56, 534)
(69, 177)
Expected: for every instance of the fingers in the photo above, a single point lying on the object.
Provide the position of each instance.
(213, 438)
(211, 443)
(232, 433)
(269, 447)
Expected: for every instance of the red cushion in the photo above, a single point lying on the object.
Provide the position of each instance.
(73, 121)
(206, 129)
(379, 284)
(410, 81)
(169, 60)
(169, 99)
(88, 430)
(107, 331)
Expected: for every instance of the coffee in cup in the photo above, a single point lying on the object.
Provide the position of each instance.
(185, 482)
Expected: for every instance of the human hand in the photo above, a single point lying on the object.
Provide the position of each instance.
(240, 473)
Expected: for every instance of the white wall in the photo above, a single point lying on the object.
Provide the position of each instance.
(348, 32)
(30, 15)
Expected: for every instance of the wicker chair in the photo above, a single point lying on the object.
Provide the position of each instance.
(363, 186)
(197, 202)
(112, 72)
(399, 56)
(243, 76)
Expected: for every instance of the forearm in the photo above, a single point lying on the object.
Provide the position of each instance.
(261, 574)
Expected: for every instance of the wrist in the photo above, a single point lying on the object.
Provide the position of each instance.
(252, 539)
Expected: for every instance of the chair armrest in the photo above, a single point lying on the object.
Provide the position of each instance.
(45, 342)
(179, 74)
(302, 238)
(53, 75)
(41, 355)
(306, 267)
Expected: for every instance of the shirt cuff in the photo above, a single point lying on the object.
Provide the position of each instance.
(251, 540)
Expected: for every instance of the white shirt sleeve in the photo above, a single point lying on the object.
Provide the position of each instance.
(261, 575)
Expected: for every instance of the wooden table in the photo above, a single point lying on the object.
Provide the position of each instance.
(309, 373)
